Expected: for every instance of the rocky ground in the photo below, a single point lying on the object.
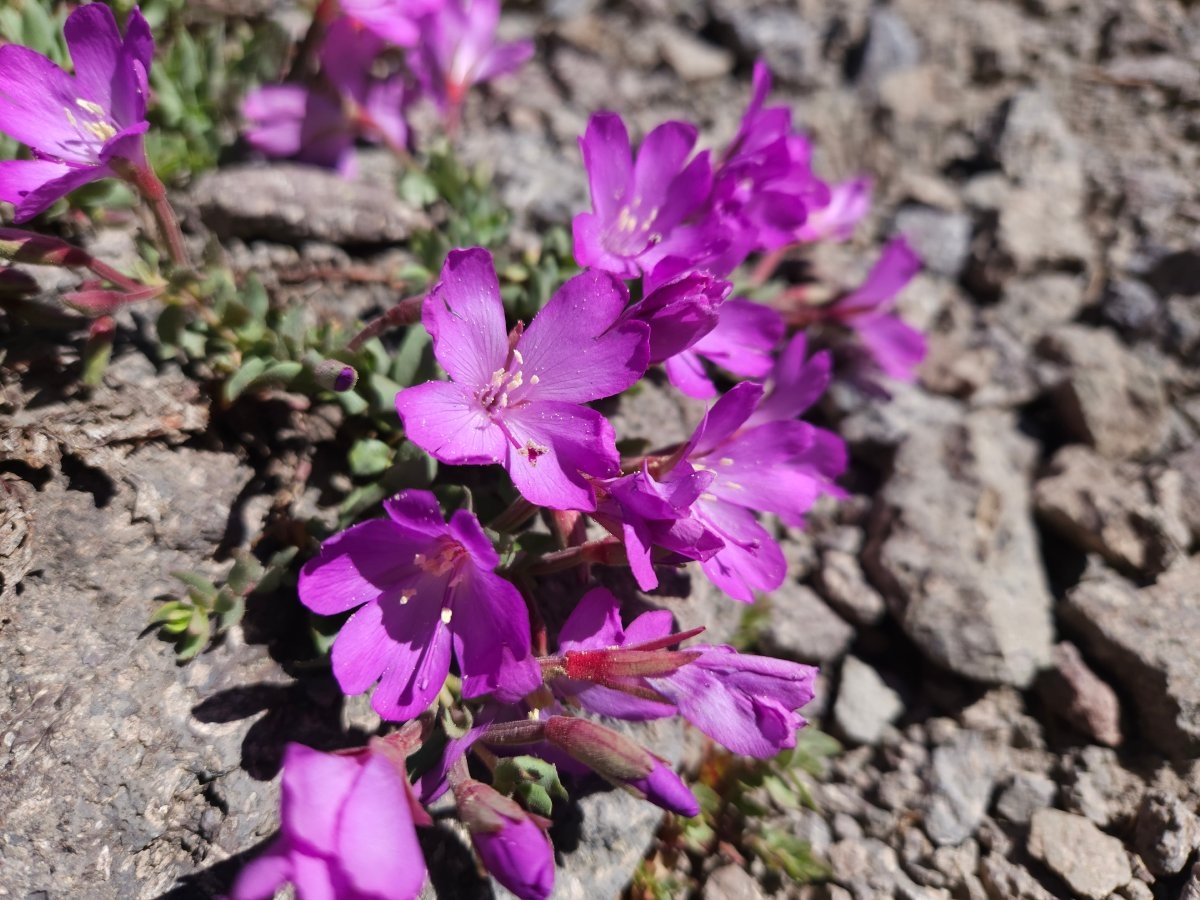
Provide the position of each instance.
(1005, 610)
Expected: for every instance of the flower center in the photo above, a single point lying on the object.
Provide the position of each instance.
(446, 555)
(496, 394)
(90, 122)
(631, 233)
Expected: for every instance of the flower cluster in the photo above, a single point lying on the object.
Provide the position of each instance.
(447, 621)
(429, 598)
(375, 59)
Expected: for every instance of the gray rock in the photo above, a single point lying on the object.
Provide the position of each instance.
(842, 582)
(952, 544)
(868, 868)
(1191, 888)
(154, 788)
(780, 35)
(1133, 308)
(691, 58)
(942, 239)
(1026, 793)
(1187, 464)
(1095, 785)
(1147, 636)
(1165, 832)
(290, 202)
(890, 47)
(1035, 146)
(1107, 397)
(1111, 509)
(1073, 691)
(731, 882)
(1029, 307)
(799, 625)
(962, 774)
(1006, 880)
(865, 704)
(1091, 862)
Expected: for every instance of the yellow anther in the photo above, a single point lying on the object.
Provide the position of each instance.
(94, 108)
(447, 615)
(533, 379)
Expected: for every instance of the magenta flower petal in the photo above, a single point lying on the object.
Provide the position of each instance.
(492, 641)
(347, 830)
(376, 841)
(465, 315)
(797, 381)
(745, 703)
(686, 371)
(743, 339)
(418, 661)
(611, 357)
(262, 877)
(35, 97)
(355, 567)
(555, 446)
(608, 160)
(313, 784)
(896, 346)
(363, 650)
(895, 268)
(751, 559)
(447, 422)
(95, 45)
(31, 185)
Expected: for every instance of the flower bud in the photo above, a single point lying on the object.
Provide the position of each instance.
(622, 762)
(513, 847)
(333, 375)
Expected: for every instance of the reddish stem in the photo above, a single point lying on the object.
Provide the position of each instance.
(406, 312)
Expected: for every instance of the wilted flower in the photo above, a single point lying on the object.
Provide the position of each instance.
(518, 401)
(83, 127)
(347, 830)
(426, 585)
(746, 703)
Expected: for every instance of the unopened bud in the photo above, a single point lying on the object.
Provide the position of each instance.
(335, 376)
(620, 761)
(94, 301)
(509, 841)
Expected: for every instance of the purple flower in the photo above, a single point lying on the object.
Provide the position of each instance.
(848, 202)
(320, 125)
(638, 205)
(518, 401)
(797, 381)
(679, 311)
(647, 513)
(514, 849)
(458, 49)
(423, 586)
(745, 335)
(83, 127)
(746, 703)
(895, 348)
(347, 830)
(779, 466)
(393, 21)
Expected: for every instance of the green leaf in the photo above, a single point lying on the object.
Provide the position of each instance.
(173, 616)
(406, 363)
(277, 568)
(369, 456)
(198, 583)
(255, 299)
(281, 373)
(240, 380)
(96, 356)
(245, 574)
